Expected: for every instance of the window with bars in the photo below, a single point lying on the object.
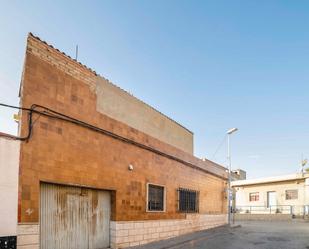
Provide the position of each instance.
(155, 198)
(254, 196)
(291, 194)
(188, 200)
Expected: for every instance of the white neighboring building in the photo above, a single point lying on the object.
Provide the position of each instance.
(287, 194)
(9, 165)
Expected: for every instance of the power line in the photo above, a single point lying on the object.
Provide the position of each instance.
(220, 145)
(60, 116)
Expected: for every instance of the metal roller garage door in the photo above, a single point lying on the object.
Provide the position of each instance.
(74, 217)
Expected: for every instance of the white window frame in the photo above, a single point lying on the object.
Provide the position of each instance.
(164, 198)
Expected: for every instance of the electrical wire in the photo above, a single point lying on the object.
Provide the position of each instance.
(219, 147)
(30, 124)
(44, 111)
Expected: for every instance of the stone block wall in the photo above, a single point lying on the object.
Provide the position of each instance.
(28, 236)
(133, 233)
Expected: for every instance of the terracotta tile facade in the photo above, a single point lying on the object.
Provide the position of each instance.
(61, 152)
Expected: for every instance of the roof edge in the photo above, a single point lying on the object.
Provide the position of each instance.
(282, 178)
(98, 75)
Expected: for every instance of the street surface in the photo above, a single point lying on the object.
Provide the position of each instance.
(251, 235)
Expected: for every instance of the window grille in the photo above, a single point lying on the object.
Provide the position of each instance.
(188, 200)
(254, 196)
(155, 198)
(291, 194)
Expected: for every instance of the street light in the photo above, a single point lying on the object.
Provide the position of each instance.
(229, 133)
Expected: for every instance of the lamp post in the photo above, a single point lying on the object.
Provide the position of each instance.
(229, 133)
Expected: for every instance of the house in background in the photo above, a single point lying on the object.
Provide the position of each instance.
(9, 168)
(98, 167)
(287, 194)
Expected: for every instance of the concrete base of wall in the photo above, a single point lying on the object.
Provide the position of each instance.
(28, 236)
(133, 233)
(266, 217)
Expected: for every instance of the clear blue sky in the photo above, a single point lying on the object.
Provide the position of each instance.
(210, 65)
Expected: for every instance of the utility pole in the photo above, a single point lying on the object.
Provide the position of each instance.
(229, 132)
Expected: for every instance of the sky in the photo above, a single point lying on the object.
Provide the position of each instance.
(209, 65)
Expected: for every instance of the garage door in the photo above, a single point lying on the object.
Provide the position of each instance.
(74, 217)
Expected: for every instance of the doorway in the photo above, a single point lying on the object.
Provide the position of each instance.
(271, 198)
(74, 217)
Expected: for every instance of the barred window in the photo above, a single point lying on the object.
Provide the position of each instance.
(254, 196)
(188, 200)
(155, 198)
(291, 194)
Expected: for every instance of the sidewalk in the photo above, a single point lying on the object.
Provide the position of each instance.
(183, 239)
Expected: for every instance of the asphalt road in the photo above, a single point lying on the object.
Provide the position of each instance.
(257, 235)
(251, 235)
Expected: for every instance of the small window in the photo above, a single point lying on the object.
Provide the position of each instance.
(254, 196)
(155, 198)
(188, 201)
(291, 194)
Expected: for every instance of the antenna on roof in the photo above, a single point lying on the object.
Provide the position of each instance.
(76, 52)
(303, 163)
